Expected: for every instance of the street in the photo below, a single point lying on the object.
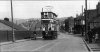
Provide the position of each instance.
(64, 43)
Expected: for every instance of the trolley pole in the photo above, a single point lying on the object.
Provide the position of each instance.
(13, 34)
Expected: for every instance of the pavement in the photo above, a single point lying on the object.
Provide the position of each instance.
(64, 43)
(94, 47)
(10, 42)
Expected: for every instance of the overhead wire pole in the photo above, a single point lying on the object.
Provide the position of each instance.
(13, 34)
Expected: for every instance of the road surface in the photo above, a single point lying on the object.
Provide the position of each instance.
(64, 43)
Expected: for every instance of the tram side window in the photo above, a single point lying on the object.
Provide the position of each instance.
(43, 28)
(45, 15)
(49, 15)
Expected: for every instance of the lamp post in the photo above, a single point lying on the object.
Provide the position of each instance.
(13, 34)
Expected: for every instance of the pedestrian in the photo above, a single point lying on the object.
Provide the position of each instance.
(50, 29)
(90, 36)
(96, 37)
(33, 37)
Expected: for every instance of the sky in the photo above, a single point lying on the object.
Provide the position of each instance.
(32, 9)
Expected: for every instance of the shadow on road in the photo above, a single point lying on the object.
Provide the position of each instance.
(37, 39)
(75, 35)
(40, 38)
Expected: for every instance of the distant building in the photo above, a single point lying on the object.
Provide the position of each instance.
(79, 24)
(98, 9)
(93, 17)
(69, 24)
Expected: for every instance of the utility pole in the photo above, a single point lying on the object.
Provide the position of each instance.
(86, 24)
(82, 21)
(13, 34)
(86, 15)
(82, 10)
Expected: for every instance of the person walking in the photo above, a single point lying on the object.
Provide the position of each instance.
(96, 37)
(90, 36)
(33, 36)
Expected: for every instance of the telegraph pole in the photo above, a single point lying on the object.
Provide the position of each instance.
(86, 15)
(82, 20)
(86, 24)
(82, 10)
(13, 34)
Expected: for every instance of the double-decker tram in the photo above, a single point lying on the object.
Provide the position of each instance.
(49, 25)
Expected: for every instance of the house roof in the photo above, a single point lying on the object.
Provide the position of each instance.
(8, 23)
(80, 18)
